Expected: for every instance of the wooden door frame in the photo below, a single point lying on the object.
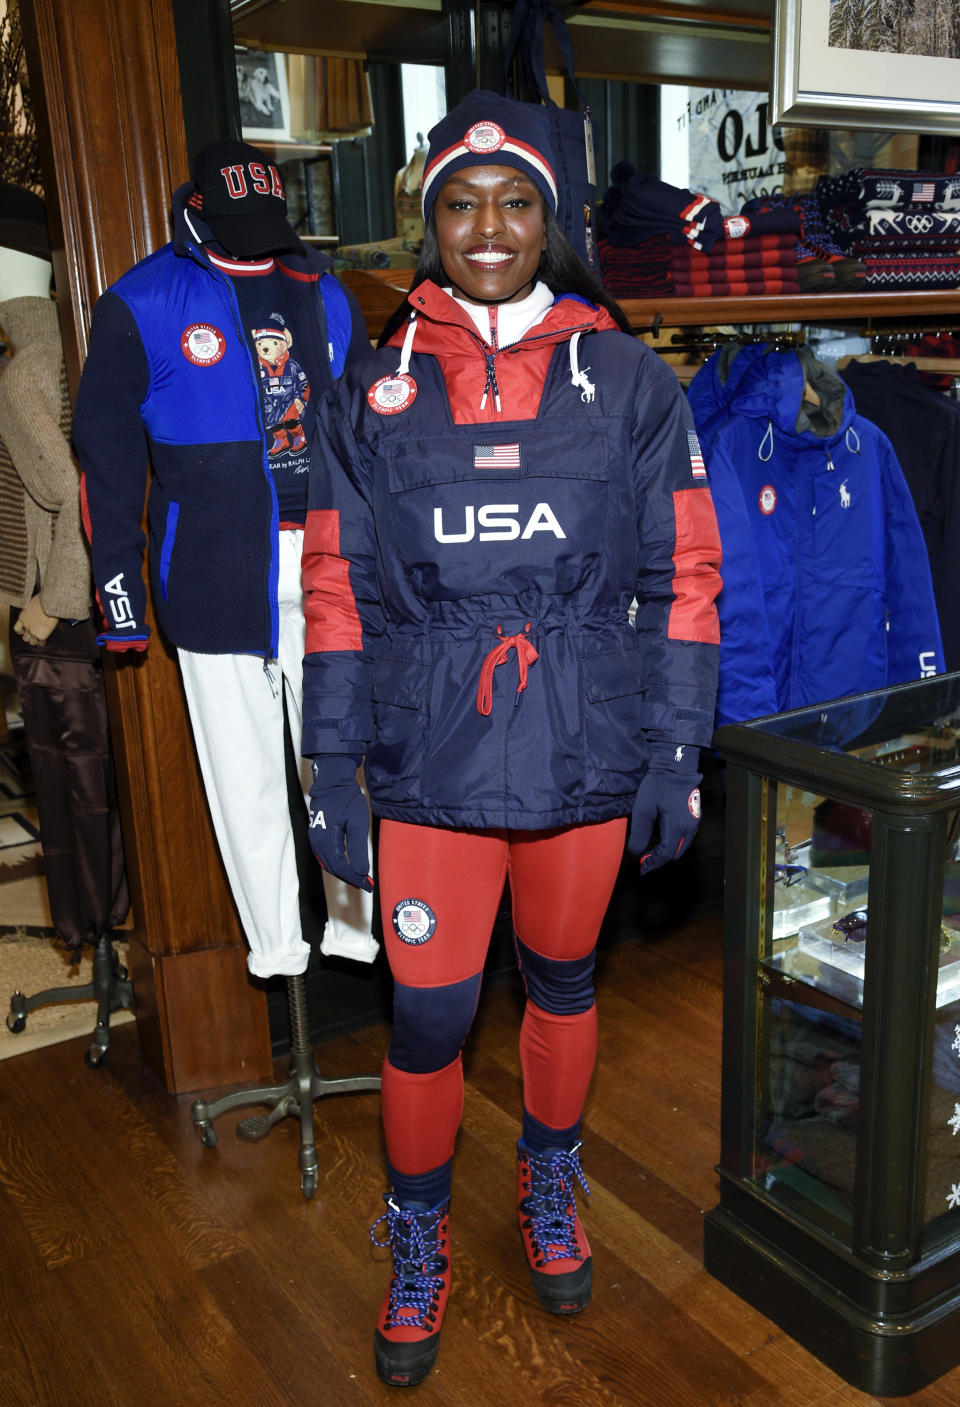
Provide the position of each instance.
(106, 88)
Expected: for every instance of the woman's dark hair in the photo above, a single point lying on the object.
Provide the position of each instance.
(561, 269)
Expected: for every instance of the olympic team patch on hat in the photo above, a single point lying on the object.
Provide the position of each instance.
(202, 344)
(413, 921)
(392, 394)
(483, 137)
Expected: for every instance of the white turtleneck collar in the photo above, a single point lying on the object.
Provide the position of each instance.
(510, 320)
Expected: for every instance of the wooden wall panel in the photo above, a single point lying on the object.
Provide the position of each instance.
(111, 125)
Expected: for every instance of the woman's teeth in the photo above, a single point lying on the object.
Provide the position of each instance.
(489, 257)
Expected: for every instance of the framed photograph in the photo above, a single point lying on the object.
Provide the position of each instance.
(890, 66)
(264, 96)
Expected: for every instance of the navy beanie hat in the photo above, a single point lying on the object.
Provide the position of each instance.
(487, 129)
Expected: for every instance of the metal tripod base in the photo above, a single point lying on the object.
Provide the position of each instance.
(294, 1096)
(110, 988)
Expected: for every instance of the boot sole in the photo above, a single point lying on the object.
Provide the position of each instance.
(404, 1364)
(564, 1294)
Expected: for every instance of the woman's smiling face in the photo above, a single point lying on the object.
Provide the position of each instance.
(491, 233)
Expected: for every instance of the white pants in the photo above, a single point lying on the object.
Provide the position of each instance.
(236, 711)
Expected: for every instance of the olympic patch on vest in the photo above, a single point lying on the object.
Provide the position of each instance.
(203, 344)
(414, 921)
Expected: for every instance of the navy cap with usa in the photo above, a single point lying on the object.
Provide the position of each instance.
(487, 129)
(240, 197)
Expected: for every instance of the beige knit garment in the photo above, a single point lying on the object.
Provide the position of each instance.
(40, 533)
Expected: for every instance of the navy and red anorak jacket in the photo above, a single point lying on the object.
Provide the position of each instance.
(476, 536)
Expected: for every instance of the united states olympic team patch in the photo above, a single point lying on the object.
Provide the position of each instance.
(392, 393)
(413, 921)
(484, 137)
(767, 499)
(202, 344)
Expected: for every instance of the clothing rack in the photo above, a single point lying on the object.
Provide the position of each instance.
(944, 366)
(701, 345)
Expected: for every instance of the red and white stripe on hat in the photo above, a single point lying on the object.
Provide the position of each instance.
(485, 139)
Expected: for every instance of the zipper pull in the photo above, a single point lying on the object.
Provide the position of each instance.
(491, 384)
(270, 679)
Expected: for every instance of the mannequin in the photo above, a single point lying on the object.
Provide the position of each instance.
(234, 303)
(407, 209)
(45, 580)
(26, 276)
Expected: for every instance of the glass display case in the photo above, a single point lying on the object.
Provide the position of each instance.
(839, 1212)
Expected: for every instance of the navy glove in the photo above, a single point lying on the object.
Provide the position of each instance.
(669, 798)
(340, 819)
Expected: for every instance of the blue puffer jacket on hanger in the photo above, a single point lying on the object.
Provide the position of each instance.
(715, 385)
(811, 498)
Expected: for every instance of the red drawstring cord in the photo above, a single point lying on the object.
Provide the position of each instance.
(526, 655)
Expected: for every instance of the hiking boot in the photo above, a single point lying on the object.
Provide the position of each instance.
(557, 1249)
(407, 1337)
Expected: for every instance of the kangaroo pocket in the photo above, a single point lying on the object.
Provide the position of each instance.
(615, 750)
(395, 760)
(508, 508)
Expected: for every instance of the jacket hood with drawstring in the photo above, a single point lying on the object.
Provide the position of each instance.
(827, 588)
(441, 328)
(481, 521)
(773, 388)
(712, 389)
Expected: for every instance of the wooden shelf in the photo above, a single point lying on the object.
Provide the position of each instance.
(291, 151)
(801, 307)
(380, 290)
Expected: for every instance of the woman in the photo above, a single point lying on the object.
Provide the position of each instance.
(503, 476)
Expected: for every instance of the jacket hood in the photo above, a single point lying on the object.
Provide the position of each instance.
(441, 322)
(775, 388)
(715, 384)
(190, 231)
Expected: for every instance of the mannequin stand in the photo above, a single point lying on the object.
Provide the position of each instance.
(295, 1096)
(110, 987)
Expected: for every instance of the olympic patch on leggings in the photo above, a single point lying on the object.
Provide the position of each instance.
(413, 921)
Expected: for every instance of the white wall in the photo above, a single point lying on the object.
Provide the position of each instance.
(424, 101)
(674, 135)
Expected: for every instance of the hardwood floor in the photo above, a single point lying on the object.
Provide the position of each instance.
(140, 1268)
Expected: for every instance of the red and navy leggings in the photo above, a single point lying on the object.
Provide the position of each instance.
(439, 894)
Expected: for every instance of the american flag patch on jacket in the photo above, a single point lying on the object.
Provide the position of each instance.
(496, 456)
(697, 466)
